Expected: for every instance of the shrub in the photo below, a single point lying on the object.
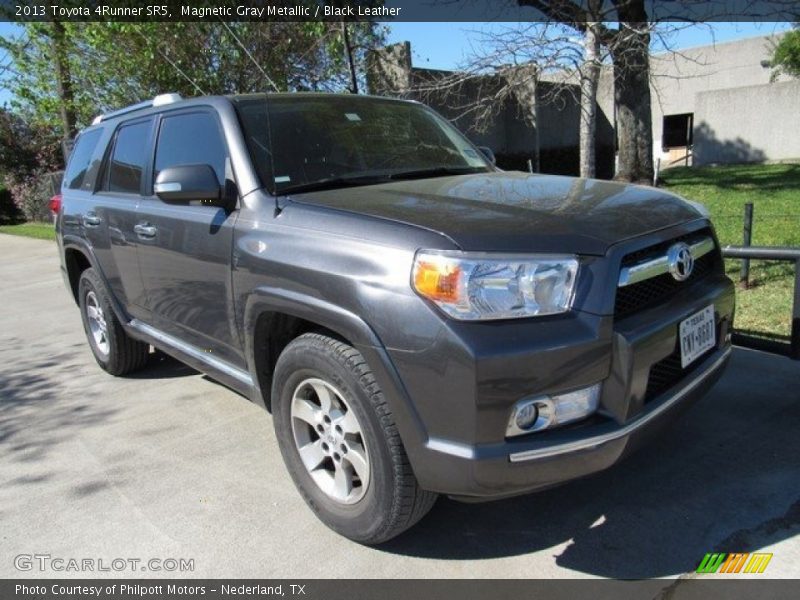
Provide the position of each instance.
(10, 214)
(28, 155)
(32, 194)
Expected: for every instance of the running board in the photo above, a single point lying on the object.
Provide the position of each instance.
(214, 363)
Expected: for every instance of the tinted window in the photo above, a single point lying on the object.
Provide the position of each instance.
(191, 139)
(128, 158)
(79, 159)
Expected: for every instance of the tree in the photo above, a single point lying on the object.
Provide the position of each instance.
(114, 64)
(629, 46)
(63, 79)
(349, 51)
(590, 76)
(786, 54)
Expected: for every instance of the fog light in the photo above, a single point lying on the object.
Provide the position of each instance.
(545, 412)
(526, 415)
(531, 414)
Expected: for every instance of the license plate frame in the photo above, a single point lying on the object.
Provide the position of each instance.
(697, 335)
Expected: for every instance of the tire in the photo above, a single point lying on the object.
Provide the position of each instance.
(115, 352)
(387, 500)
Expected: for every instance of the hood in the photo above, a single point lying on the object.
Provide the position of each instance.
(517, 212)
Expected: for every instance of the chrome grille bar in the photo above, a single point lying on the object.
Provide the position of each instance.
(659, 265)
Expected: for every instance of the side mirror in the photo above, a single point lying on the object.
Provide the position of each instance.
(487, 152)
(189, 183)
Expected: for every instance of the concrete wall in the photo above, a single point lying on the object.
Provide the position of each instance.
(679, 79)
(747, 124)
(739, 116)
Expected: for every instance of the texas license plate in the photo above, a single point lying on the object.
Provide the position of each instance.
(698, 335)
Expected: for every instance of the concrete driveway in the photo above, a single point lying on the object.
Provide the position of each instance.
(169, 464)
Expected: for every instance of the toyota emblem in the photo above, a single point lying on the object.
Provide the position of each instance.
(680, 261)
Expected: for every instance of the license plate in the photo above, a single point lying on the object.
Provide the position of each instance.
(698, 334)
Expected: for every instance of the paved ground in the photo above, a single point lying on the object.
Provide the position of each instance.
(169, 464)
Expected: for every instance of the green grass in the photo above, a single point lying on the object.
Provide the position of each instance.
(774, 190)
(40, 231)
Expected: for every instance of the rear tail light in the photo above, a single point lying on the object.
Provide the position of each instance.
(55, 204)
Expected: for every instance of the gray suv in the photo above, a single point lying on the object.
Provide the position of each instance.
(417, 321)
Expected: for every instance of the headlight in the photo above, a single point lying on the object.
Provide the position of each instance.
(472, 286)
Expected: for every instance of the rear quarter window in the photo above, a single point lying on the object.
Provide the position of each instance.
(80, 157)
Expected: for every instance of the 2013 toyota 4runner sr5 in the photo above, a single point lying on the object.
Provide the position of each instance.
(417, 321)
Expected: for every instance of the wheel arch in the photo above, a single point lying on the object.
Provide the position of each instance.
(78, 257)
(268, 310)
(76, 261)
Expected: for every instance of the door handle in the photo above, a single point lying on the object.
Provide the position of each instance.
(145, 230)
(91, 219)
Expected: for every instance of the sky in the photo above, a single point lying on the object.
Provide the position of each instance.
(446, 45)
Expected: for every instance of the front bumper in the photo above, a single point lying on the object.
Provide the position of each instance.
(477, 473)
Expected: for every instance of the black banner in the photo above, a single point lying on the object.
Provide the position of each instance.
(387, 10)
(699, 588)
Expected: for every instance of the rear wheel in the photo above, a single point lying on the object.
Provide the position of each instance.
(115, 351)
(340, 444)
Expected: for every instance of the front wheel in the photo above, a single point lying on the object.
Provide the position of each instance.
(340, 444)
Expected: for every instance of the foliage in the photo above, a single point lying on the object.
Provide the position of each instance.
(786, 54)
(27, 154)
(114, 64)
(9, 212)
(32, 194)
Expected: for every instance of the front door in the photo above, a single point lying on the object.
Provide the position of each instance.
(185, 249)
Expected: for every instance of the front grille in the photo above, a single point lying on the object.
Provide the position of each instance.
(642, 295)
(668, 372)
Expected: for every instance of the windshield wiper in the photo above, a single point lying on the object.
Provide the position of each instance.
(436, 172)
(332, 183)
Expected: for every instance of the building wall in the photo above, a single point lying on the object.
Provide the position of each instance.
(747, 124)
(738, 114)
(679, 80)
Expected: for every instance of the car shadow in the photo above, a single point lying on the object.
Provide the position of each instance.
(162, 366)
(725, 477)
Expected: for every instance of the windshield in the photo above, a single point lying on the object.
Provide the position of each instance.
(300, 143)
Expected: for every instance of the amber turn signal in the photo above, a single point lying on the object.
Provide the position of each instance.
(437, 280)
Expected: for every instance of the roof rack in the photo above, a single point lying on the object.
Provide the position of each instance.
(159, 100)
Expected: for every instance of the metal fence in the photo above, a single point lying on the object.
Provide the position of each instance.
(747, 253)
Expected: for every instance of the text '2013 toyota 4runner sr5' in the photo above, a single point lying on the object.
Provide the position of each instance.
(417, 321)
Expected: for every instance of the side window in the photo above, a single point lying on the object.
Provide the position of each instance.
(191, 139)
(128, 158)
(79, 159)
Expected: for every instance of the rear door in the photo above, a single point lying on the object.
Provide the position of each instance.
(77, 186)
(185, 249)
(109, 225)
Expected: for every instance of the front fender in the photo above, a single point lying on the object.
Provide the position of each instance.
(358, 333)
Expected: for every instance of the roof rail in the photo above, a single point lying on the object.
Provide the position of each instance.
(159, 100)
